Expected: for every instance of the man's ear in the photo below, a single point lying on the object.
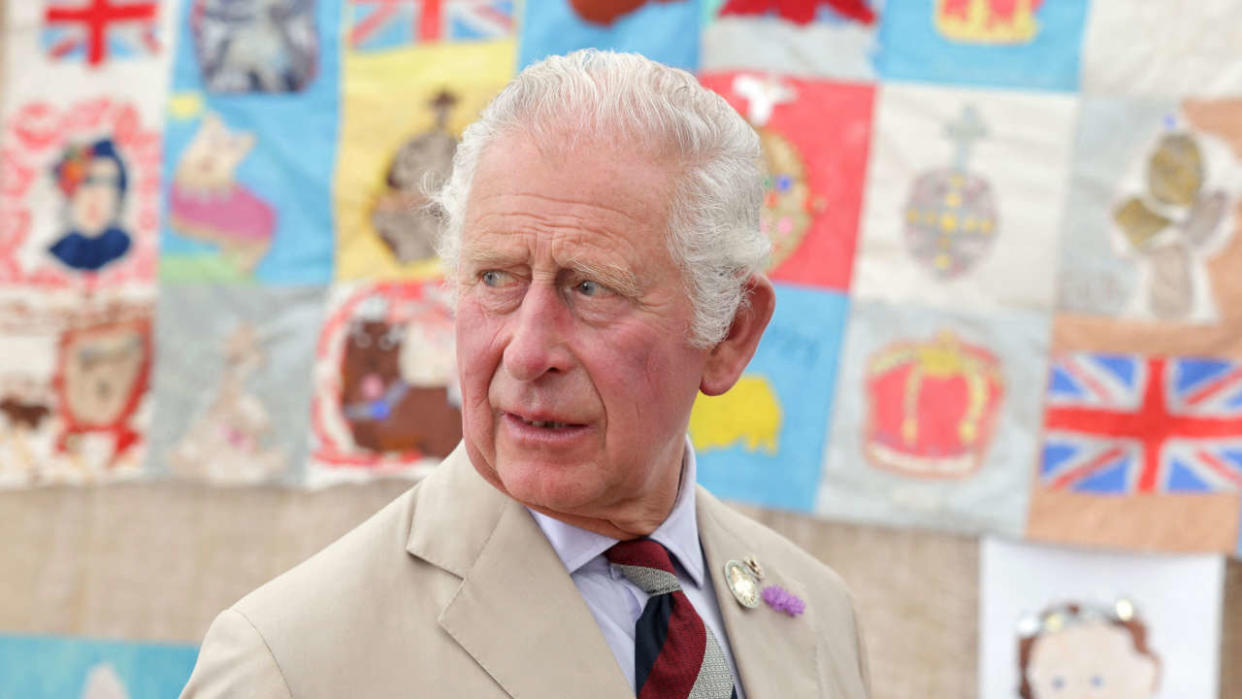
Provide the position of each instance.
(728, 358)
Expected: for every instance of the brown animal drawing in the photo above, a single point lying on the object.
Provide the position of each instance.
(25, 413)
(387, 406)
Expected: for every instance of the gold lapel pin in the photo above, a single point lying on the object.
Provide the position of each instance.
(743, 583)
(753, 564)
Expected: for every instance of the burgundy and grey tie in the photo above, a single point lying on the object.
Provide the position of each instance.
(675, 655)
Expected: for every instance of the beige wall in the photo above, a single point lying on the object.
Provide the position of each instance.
(157, 561)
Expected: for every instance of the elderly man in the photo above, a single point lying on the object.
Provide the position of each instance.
(602, 235)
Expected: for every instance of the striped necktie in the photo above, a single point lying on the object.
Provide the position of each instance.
(675, 655)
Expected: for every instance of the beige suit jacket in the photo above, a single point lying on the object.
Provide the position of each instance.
(452, 590)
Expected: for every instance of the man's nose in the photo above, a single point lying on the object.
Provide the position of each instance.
(539, 333)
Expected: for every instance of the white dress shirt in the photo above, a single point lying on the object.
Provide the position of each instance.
(615, 602)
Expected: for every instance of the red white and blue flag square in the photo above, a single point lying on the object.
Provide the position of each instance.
(1122, 424)
(97, 30)
(377, 25)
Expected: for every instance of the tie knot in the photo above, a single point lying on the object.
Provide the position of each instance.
(645, 563)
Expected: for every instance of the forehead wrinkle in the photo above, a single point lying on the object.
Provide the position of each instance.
(499, 236)
(568, 199)
(513, 215)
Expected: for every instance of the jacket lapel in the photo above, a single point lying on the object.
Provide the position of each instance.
(517, 611)
(776, 654)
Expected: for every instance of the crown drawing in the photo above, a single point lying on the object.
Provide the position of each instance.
(932, 407)
(988, 21)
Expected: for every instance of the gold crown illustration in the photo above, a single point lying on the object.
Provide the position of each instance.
(988, 21)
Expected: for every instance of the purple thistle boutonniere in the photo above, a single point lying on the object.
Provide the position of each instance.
(783, 600)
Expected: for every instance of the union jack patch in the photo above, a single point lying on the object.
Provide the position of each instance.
(1122, 424)
(377, 25)
(96, 30)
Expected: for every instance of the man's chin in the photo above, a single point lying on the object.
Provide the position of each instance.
(544, 492)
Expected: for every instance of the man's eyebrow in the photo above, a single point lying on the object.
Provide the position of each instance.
(618, 278)
(480, 257)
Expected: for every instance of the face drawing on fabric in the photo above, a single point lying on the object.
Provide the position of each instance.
(1172, 227)
(102, 377)
(255, 45)
(1075, 651)
(996, 22)
(81, 195)
(395, 375)
(950, 216)
(93, 180)
(749, 414)
(787, 206)
(228, 441)
(207, 203)
(932, 406)
(404, 216)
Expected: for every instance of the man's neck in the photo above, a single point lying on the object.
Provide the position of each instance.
(622, 530)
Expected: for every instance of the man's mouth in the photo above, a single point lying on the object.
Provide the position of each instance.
(545, 424)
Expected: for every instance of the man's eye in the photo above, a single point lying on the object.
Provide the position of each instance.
(493, 278)
(593, 289)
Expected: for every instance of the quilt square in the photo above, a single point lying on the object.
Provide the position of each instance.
(662, 30)
(932, 422)
(965, 190)
(1132, 442)
(249, 143)
(815, 136)
(761, 441)
(997, 43)
(402, 115)
(95, 31)
(75, 399)
(56, 667)
(831, 39)
(1162, 48)
(232, 382)
(1151, 241)
(80, 196)
(383, 25)
(385, 400)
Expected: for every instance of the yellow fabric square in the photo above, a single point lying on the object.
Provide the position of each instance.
(388, 100)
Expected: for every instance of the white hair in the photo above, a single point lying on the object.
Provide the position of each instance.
(714, 234)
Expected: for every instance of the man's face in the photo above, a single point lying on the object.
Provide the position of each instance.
(577, 377)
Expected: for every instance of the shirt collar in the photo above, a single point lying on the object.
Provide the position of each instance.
(679, 532)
